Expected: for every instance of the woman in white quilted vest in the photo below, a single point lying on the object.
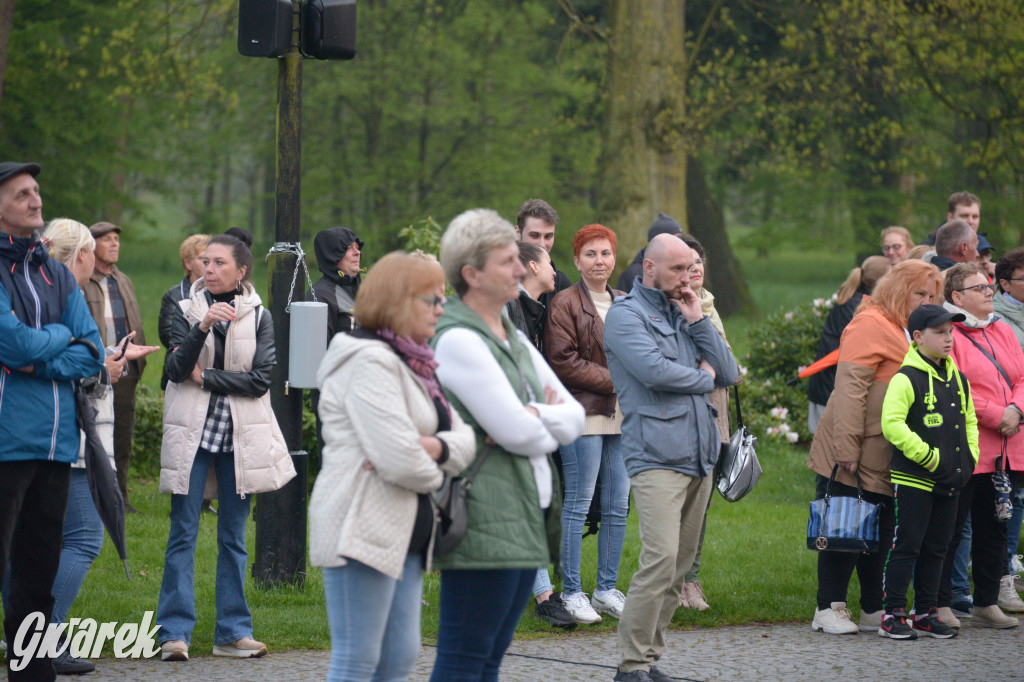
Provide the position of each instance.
(389, 438)
(220, 435)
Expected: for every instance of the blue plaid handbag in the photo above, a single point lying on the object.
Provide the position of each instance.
(843, 524)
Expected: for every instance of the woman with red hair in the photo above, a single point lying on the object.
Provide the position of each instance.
(574, 346)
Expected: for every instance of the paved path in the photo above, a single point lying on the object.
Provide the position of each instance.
(773, 652)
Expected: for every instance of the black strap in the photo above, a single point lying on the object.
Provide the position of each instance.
(1006, 377)
(832, 479)
(471, 474)
(739, 413)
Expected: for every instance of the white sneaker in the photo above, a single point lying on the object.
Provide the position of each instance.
(835, 621)
(579, 608)
(1009, 600)
(611, 602)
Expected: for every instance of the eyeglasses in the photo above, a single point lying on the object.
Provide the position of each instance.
(981, 288)
(433, 300)
(1015, 279)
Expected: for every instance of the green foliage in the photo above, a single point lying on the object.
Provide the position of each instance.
(149, 430)
(780, 346)
(424, 235)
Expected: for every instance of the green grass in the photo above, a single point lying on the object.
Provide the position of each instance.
(755, 568)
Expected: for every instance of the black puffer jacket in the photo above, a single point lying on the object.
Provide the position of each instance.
(330, 246)
(821, 385)
(169, 309)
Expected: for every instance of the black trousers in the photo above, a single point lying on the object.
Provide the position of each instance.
(33, 497)
(924, 531)
(836, 568)
(988, 544)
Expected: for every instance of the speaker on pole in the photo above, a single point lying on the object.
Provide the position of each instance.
(264, 27)
(329, 29)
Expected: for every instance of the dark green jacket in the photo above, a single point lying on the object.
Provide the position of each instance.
(507, 527)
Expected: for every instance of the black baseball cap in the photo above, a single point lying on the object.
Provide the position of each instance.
(8, 169)
(931, 315)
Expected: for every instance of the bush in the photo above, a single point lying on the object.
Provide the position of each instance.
(149, 431)
(780, 346)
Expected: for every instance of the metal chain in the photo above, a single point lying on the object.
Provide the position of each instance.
(294, 248)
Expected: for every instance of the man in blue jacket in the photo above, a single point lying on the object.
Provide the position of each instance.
(665, 357)
(42, 317)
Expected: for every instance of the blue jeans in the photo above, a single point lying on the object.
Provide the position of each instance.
(542, 582)
(83, 539)
(374, 621)
(176, 611)
(582, 460)
(479, 613)
(961, 585)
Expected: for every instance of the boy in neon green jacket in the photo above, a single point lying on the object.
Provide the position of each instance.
(928, 416)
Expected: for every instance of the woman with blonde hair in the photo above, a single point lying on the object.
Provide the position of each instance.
(191, 254)
(70, 242)
(390, 436)
(858, 286)
(896, 244)
(849, 435)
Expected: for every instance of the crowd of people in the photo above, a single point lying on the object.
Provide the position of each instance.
(552, 401)
(922, 411)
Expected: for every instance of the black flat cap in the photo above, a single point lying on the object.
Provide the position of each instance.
(8, 169)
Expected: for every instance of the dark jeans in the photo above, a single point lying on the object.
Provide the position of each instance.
(836, 568)
(33, 497)
(988, 545)
(479, 613)
(924, 531)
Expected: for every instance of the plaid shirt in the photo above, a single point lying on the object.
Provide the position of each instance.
(217, 430)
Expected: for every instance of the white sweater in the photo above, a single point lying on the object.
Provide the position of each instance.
(472, 374)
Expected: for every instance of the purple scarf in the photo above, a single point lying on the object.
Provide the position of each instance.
(420, 358)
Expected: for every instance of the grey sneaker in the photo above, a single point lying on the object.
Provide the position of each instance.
(633, 676)
(658, 676)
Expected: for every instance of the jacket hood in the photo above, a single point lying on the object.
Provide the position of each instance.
(330, 246)
(342, 349)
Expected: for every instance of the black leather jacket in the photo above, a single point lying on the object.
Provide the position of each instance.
(190, 340)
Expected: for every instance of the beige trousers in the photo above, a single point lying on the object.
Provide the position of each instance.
(670, 508)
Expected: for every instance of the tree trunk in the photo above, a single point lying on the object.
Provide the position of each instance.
(707, 224)
(647, 164)
(6, 21)
(643, 169)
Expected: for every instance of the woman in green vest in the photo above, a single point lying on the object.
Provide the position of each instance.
(520, 411)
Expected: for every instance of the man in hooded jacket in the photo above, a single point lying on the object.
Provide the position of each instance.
(338, 252)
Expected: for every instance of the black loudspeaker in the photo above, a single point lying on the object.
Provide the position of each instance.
(264, 27)
(329, 29)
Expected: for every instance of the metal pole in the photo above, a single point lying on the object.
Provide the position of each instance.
(281, 515)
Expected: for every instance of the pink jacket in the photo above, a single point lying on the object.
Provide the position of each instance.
(990, 391)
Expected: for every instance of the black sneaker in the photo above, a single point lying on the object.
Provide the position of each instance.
(658, 676)
(552, 611)
(66, 664)
(963, 608)
(895, 626)
(633, 676)
(932, 626)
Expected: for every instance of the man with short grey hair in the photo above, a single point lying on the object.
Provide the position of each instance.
(665, 358)
(45, 331)
(955, 242)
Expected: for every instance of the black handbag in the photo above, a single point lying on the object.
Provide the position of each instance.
(738, 469)
(450, 502)
(843, 524)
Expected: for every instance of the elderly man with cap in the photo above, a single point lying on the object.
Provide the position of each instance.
(112, 302)
(45, 335)
(663, 224)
